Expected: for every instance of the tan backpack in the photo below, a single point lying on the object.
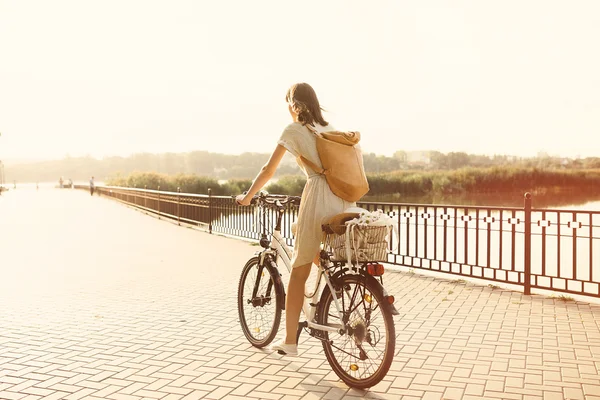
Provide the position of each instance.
(342, 163)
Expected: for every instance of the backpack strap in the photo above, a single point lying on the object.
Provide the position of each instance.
(312, 165)
(312, 129)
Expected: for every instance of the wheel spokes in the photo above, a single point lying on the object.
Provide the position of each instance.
(360, 356)
(259, 316)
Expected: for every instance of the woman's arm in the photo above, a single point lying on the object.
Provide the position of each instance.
(265, 174)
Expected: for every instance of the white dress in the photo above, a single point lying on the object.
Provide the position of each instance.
(318, 201)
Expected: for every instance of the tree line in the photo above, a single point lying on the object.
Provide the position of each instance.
(246, 165)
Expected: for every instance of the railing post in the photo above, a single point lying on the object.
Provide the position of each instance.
(158, 201)
(145, 195)
(178, 200)
(527, 209)
(209, 211)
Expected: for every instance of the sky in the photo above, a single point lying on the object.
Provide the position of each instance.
(116, 77)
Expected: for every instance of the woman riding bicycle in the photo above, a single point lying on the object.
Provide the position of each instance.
(317, 205)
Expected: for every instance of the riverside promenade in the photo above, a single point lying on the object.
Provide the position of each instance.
(99, 301)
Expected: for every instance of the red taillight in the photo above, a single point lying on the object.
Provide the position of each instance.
(375, 269)
(390, 299)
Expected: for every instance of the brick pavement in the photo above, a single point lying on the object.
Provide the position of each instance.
(98, 301)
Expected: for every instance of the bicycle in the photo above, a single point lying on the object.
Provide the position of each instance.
(353, 317)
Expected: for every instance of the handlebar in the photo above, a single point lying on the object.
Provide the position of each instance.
(274, 199)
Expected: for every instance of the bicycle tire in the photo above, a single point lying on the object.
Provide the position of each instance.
(259, 319)
(351, 369)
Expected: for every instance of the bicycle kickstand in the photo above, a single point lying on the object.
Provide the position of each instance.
(301, 326)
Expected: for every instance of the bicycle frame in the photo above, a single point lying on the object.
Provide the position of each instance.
(360, 344)
(279, 249)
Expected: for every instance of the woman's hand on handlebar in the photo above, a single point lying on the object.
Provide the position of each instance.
(243, 199)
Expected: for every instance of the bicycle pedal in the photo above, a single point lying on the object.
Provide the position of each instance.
(281, 352)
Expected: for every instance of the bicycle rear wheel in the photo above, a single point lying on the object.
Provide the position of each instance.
(259, 307)
(363, 354)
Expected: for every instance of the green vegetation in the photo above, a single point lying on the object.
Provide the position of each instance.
(245, 166)
(493, 180)
(202, 163)
(426, 177)
(407, 186)
(565, 298)
(468, 181)
(483, 180)
(290, 185)
(186, 183)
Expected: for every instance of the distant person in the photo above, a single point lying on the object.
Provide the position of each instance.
(92, 186)
(71, 183)
(60, 182)
(37, 186)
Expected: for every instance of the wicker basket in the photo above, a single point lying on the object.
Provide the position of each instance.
(367, 243)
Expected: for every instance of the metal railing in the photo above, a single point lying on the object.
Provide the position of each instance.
(551, 249)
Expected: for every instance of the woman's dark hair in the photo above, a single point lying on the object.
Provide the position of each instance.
(304, 102)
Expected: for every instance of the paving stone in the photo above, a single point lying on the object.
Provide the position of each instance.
(150, 318)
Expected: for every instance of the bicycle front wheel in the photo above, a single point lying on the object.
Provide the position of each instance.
(259, 307)
(362, 355)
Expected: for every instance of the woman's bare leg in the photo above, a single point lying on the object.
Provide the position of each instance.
(294, 301)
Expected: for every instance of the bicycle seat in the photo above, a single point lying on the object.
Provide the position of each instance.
(337, 223)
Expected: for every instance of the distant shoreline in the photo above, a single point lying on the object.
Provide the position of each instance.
(469, 186)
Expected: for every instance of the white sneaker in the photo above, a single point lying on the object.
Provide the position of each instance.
(285, 349)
